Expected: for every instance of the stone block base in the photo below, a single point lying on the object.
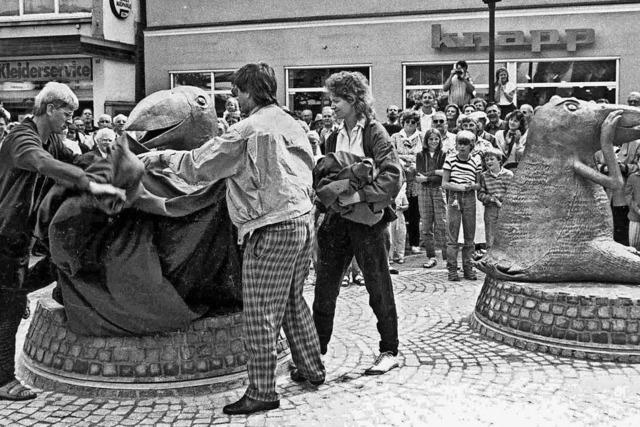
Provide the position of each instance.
(208, 355)
(592, 321)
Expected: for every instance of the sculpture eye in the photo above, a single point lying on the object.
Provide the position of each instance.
(571, 106)
(202, 101)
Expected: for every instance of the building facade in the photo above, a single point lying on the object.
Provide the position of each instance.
(580, 48)
(87, 44)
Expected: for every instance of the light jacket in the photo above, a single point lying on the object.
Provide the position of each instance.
(267, 161)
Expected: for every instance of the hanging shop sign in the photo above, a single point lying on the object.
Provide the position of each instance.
(61, 70)
(536, 39)
(120, 8)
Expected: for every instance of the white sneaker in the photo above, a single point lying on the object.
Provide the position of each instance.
(416, 250)
(383, 363)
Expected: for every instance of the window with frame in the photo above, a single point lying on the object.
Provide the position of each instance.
(216, 83)
(39, 7)
(305, 86)
(536, 80)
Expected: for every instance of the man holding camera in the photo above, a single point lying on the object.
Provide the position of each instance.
(459, 85)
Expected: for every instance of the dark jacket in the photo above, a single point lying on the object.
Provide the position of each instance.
(383, 190)
(421, 167)
(28, 169)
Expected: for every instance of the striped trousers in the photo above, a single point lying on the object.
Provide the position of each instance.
(275, 265)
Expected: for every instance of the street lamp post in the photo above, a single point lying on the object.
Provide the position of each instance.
(492, 45)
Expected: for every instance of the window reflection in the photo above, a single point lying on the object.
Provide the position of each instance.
(201, 80)
(315, 77)
(537, 81)
(567, 71)
(38, 6)
(9, 8)
(75, 6)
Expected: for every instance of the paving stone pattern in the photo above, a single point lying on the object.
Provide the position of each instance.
(534, 317)
(210, 347)
(449, 375)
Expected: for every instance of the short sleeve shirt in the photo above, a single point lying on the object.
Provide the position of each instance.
(462, 171)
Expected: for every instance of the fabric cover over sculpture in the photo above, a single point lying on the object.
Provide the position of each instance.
(169, 257)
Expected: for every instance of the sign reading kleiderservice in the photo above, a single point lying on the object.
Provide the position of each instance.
(46, 70)
(120, 8)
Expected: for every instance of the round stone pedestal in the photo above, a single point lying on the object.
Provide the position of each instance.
(209, 356)
(584, 320)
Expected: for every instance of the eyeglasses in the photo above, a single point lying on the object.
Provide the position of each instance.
(633, 102)
(67, 114)
(411, 122)
(438, 121)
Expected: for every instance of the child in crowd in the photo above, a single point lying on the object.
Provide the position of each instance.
(431, 198)
(398, 228)
(461, 177)
(493, 186)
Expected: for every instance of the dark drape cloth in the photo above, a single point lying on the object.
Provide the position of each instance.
(156, 266)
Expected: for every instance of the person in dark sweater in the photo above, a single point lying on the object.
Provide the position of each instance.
(431, 198)
(32, 158)
(339, 238)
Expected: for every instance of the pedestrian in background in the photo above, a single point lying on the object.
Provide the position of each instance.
(398, 228)
(493, 186)
(431, 198)
(461, 179)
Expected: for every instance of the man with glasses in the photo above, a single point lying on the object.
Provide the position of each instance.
(439, 122)
(32, 157)
(634, 99)
(118, 124)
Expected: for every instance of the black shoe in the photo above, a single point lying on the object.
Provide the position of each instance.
(393, 271)
(299, 378)
(470, 275)
(247, 405)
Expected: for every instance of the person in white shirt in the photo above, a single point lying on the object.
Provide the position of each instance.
(505, 92)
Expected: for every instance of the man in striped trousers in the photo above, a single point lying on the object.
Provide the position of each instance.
(267, 162)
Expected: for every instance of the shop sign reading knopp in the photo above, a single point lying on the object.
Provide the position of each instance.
(120, 8)
(537, 38)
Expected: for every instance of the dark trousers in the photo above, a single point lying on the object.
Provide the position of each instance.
(338, 241)
(621, 224)
(14, 260)
(412, 218)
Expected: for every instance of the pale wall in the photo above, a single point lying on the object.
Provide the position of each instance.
(385, 45)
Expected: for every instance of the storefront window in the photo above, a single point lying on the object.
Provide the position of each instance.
(305, 86)
(39, 6)
(220, 81)
(73, 6)
(536, 81)
(9, 8)
(432, 76)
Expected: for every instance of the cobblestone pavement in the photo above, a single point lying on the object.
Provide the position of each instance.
(448, 375)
